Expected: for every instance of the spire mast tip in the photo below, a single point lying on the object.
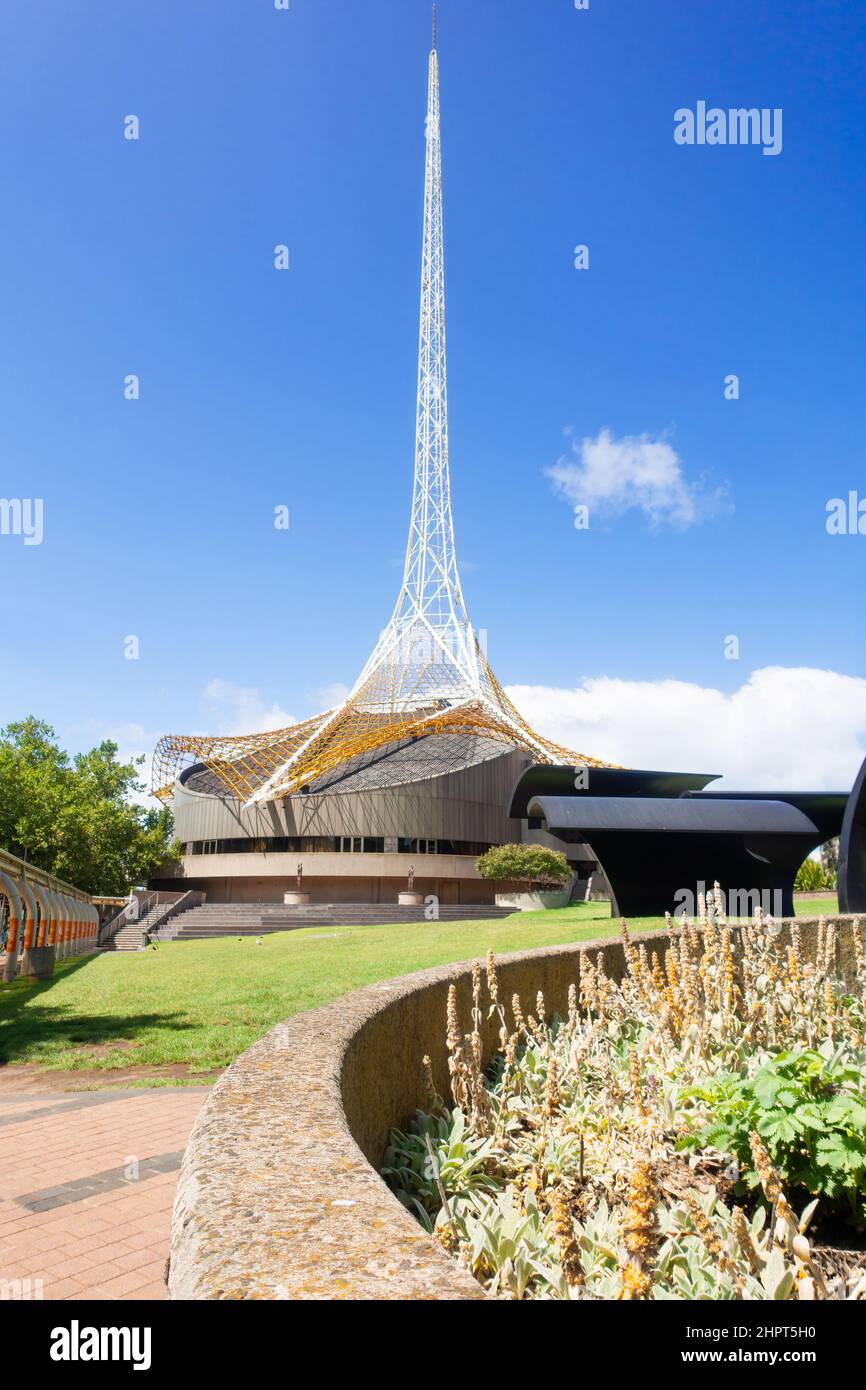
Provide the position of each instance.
(434, 27)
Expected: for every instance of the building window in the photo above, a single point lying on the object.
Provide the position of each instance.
(345, 844)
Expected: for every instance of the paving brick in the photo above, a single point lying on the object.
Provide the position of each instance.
(107, 1253)
(68, 1268)
(140, 1259)
(151, 1291)
(62, 1288)
(103, 1271)
(140, 1239)
(89, 1245)
(126, 1284)
(103, 1237)
(81, 1224)
(23, 1256)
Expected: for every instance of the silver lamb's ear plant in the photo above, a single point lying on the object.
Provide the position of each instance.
(728, 1070)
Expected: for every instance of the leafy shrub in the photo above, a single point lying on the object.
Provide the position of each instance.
(812, 877)
(534, 865)
(830, 858)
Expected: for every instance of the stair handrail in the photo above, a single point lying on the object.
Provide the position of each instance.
(174, 909)
(108, 931)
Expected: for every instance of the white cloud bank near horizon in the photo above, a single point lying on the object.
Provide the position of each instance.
(610, 476)
(786, 727)
(791, 728)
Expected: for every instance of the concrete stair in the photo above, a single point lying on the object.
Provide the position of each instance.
(129, 938)
(131, 935)
(213, 920)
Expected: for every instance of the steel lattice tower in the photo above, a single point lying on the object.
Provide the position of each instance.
(430, 625)
(427, 674)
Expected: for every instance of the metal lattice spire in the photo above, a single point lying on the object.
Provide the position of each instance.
(431, 582)
(430, 626)
(427, 674)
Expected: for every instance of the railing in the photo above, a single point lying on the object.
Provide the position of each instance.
(42, 919)
(193, 897)
(22, 868)
(153, 912)
(108, 931)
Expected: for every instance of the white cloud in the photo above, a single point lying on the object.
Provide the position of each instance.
(791, 728)
(329, 696)
(611, 476)
(239, 709)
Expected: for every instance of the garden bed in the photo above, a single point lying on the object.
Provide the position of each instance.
(278, 1195)
(693, 1130)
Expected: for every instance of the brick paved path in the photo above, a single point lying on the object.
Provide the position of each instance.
(87, 1181)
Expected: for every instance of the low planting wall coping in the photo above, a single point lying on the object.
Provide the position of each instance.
(279, 1197)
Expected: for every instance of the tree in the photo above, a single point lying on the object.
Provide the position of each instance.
(533, 865)
(830, 859)
(75, 818)
(811, 877)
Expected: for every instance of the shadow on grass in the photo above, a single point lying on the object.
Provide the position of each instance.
(26, 1025)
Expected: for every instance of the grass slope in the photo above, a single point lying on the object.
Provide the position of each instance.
(201, 1003)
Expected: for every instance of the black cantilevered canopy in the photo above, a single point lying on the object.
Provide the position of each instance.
(656, 834)
(627, 815)
(542, 779)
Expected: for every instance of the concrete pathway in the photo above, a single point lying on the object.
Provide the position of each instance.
(87, 1182)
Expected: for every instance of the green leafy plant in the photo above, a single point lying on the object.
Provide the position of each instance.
(503, 1242)
(810, 1110)
(458, 1163)
(812, 877)
(534, 865)
(77, 817)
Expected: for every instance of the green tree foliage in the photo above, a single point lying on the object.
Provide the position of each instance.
(830, 858)
(812, 877)
(74, 817)
(533, 865)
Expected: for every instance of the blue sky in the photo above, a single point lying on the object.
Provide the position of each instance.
(261, 387)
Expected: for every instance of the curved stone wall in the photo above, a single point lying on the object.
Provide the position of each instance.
(278, 1195)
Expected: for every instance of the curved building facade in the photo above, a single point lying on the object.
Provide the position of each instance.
(434, 803)
(431, 804)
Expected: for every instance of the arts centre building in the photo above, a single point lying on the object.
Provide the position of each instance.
(416, 767)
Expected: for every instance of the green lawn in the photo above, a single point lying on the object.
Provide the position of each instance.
(816, 907)
(201, 1003)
